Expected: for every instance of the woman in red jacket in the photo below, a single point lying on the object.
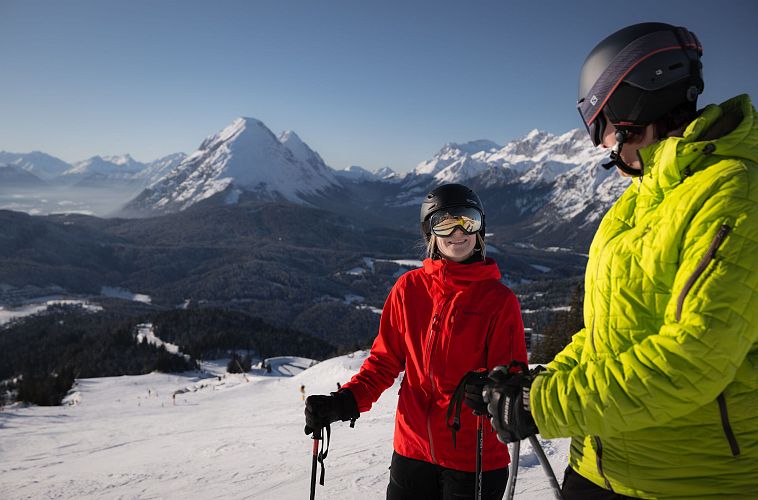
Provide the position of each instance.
(439, 322)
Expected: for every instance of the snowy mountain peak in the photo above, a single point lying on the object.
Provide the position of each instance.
(301, 150)
(357, 169)
(457, 162)
(472, 147)
(125, 159)
(356, 173)
(246, 129)
(386, 173)
(108, 165)
(37, 163)
(534, 134)
(247, 155)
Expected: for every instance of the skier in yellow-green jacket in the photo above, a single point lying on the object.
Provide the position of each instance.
(659, 391)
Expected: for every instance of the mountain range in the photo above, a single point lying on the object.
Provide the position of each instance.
(542, 188)
(98, 171)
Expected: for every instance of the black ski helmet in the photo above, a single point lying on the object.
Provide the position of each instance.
(448, 196)
(638, 74)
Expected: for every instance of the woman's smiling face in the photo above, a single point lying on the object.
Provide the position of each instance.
(458, 247)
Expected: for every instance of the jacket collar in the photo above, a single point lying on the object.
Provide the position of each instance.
(729, 129)
(457, 274)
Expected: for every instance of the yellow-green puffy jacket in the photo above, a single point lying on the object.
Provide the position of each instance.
(659, 391)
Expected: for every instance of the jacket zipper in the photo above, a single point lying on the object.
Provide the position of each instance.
(707, 258)
(429, 345)
(727, 426)
(599, 456)
(702, 265)
(430, 369)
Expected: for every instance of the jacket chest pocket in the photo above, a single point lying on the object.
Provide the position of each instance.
(465, 344)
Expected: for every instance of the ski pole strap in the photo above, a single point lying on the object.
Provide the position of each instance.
(456, 403)
(323, 452)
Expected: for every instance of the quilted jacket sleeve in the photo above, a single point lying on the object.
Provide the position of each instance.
(570, 355)
(710, 325)
(387, 357)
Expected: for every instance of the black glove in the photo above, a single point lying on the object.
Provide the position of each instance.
(507, 397)
(321, 411)
(472, 393)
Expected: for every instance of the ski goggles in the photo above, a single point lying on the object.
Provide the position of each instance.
(595, 128)
(445, 222)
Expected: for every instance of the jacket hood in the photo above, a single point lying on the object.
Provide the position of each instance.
(726, 130)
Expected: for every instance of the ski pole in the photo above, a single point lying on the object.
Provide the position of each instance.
(511, 487)
(546, 466)
(314, 464)
(479, 447)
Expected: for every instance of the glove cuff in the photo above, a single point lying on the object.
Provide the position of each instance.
(346, 405)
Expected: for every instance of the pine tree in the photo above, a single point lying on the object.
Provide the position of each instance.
(557, 334)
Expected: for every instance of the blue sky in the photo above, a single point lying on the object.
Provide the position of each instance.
(382, 83)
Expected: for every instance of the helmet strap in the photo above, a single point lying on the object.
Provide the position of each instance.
(616, 160)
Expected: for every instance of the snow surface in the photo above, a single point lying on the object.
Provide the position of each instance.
(10, 313)
(221, 436)
(147, 332)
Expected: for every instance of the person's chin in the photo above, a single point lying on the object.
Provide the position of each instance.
(459, 256)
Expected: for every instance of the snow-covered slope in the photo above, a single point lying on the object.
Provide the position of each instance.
(220, 436)
(248, 156)
(159, 168)
(302, 152)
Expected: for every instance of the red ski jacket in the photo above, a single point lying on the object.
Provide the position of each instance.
(439, 323)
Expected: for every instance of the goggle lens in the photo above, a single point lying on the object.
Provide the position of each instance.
(444, 223)
(596, 129)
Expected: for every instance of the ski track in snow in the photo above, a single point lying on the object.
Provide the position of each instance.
(126, 438)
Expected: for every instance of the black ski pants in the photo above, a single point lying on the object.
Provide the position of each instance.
(577, 487)
(418, 480)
